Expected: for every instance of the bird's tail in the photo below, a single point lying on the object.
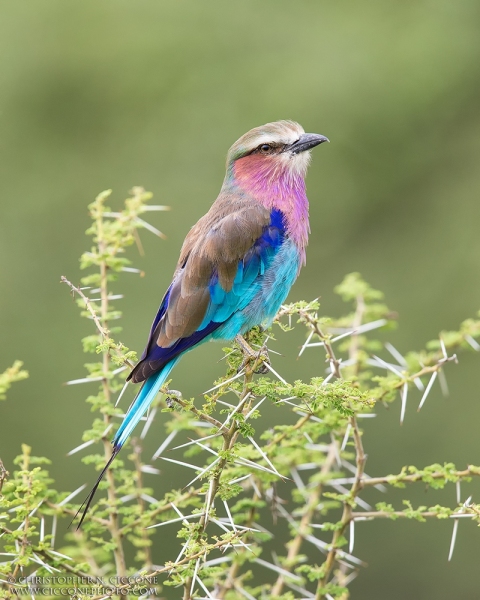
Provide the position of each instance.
(136, 411)
(142, 401)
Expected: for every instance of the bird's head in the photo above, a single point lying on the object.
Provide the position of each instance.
(274, 149)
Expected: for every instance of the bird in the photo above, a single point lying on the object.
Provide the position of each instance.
(237, 263)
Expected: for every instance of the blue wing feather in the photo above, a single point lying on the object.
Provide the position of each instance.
(161, 311)
(224, 304)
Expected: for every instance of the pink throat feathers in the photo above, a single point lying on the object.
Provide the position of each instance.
(278, 184)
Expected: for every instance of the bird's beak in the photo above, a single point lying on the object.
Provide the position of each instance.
(306, 142)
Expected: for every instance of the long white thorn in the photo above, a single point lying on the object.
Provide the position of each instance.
(207, 448)
(272, 370)
(54, 531)
(362, 329)
(36, 508)
(165, 444)
(182, 518)
(112, 297)
(443, 382)
(177, 510)
(350, 578)
(151, 228)
(427, 389)
(255, 488)
(83, 380)
(239, 479)
(418, 382)
(327, 379)
(244, 593)
(454, 539)
(265, 457)
(252, 410)
(352, 536)
(146, 427)
(248, 463)
(305, 345)
(61, 555)
(216, 387)
(444, 350)
(344, 490)
(149, 498)
(153, 207)
(81, 447)
(183, 550)
(217, 561)
(286, 401)
(224, 403)
(404, 402)
(278, 569)
(179, 462)
(150, 469)
(227, 509)
(242, 527)
(208, 501)
(387, 366)
(396, 355)
(473, 342)
(194, 578)
(237, 408)
(204, 587)
(307, 437)
(72, 495)
(346, 436)
(297, 479)
(38, 560)
(208, 437)
(305, 593)
(202, 472)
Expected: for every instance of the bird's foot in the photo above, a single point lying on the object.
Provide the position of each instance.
(259, 359)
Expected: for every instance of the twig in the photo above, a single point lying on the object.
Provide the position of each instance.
(393, 479)
(102, 329)
(347, 510)
(110, 476)
(303, 528)
(334, 362)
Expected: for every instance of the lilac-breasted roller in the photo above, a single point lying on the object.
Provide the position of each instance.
(237, 264)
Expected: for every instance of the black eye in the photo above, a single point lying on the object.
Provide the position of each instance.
(265, 148)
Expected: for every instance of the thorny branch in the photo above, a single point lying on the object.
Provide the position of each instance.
(339, 418)
(252, 361)
(306, 520)
(113, 525)
(169, 566)
(102, 329)
(332, 359)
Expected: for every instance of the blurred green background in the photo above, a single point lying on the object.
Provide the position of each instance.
(112, 94)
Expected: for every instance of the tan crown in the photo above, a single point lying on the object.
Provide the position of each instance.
(278, 132)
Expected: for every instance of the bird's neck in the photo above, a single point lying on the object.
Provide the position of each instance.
(277, 186)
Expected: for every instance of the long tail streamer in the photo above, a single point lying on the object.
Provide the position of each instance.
(136, 411)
